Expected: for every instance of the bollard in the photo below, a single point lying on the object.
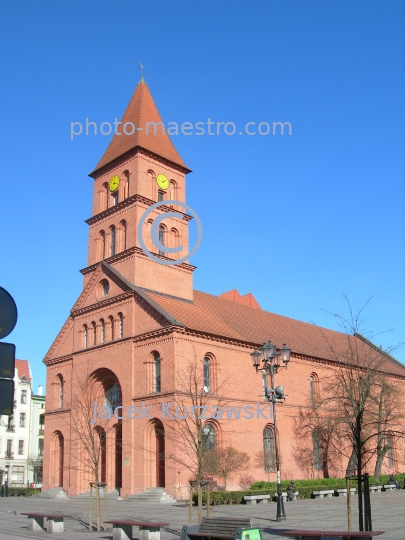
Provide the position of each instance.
(4, 490)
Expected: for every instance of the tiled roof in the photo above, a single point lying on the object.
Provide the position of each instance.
(221, 317)
(141, 109)
(247, 299)
(23, 367)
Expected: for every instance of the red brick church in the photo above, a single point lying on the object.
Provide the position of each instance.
(137, 323)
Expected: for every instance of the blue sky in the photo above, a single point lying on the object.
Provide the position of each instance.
(299, 220)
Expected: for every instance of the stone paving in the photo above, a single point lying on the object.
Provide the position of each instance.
(388, 514)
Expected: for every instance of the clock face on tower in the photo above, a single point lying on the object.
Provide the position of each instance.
(162, 181)
(114, 183)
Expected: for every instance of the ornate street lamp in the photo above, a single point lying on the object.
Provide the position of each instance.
(269, 356)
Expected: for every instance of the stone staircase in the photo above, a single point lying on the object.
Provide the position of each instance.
(153, 495)
(112, 494)
(53, 493)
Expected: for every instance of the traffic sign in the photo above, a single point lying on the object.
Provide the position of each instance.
(7, 360)
(8, 313)
(6, 397)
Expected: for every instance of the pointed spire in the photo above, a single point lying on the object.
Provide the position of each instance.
(141, 126)
(142, 80)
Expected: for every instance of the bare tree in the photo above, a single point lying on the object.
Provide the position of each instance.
(192, 440)
(355, 397)
(88, 433)
(226, 462)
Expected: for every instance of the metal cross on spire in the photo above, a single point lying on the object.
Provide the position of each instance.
(142, 71)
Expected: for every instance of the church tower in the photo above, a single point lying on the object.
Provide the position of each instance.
(139, 168)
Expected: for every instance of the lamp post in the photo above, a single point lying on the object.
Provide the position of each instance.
(270, 358)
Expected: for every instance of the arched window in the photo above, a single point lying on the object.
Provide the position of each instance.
(121, 325)
(112, 240)
(174, 242)
(85, 336)
(94, 328)
(317, 449)
(60, 391)
(156, 373)
(390, 451)
(102, 330)
(209, 437)
(161, 238)
(105, 288)
(111, 327)
(102, 245)
(314, 388)
(269, 449)
(113, 396)
(106, 193)
(173, 190)
(207, 374)
(123, 235)
(126, 186)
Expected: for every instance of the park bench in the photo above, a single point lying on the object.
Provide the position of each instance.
(224, 528)
(122, 529)
(313, 535)
(36, 521)
(343, 492)
(390, 487)
(323, 493)
(256, 499)
(375, 489)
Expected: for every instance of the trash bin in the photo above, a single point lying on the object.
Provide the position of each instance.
(4, 490)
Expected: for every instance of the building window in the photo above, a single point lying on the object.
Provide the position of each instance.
(209, 437)
(156, 373)
(269, 449)
(112, 241)
(390, 453)
(20, 448)
(24, 396)
(105, 288)
(314, 388)
(9, 452)
(207, 374)
(317, 449)
(102, 246)
(94, 327)
(40, 447)
(113, 396)
(102, 328)
(112, 327)
(161, 196)
(121, 325)
(60, 391)
(161, 238)
(124, 235)
(85, 336)
(115, 199)
(22, 419)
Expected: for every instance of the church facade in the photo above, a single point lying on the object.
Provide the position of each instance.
(139, 324)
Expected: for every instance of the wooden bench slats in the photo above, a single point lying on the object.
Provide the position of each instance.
(342, 534)
(218, 527)
(47, 515)
(136, 523)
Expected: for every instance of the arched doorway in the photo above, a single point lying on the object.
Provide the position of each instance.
(160, 454)
(58, 450)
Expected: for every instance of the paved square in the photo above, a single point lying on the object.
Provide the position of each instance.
(388, 514)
